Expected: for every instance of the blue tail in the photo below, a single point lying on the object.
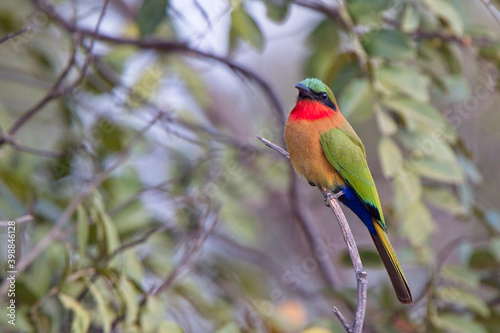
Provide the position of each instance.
(351, 200)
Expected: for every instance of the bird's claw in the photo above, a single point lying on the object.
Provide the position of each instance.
(329, 196)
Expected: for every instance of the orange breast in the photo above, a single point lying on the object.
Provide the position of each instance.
(306, 153)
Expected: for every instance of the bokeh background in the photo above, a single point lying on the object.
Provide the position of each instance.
(144, 203)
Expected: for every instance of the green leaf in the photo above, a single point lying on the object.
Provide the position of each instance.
(106, 229)
(153, 315)
(386, 124)
(458, 89)
(457, 324)
(191, 78)
(81, 318)
(483, 258)
(407, 188)
(324, 62)
(83, 230)
(390, 157)
(106, 316)
(417, 115)
(448, 13)
(470, 169)
(460, 275)
(493, 218)
(277, 9)
(344, 68)
(466, 194)
(389, 44)
(245, 27)
(130, 296)
(439, 170)
(418, 224)
(169, 327)
(461, 297)
(150, 15)
(147, 83)
(444, 199)
(356, 101)
(411, 18)
(495, 247)
(231, 327)
(405, 80)
(131, 265)
(432, 157)
(367, 12)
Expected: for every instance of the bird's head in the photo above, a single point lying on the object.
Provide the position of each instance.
(315, 101)
(315, 90)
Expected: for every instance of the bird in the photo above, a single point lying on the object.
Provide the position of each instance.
(326, 151)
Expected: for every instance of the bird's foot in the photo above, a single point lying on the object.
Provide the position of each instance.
(338, 194)
(329, 196)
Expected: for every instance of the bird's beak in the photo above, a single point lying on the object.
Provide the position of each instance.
(304, 90)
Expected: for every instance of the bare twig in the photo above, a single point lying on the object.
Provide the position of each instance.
(57, 229)
(135, 242)
(30, 150)
(53, 93)
(334, 13)
(274, 146)
(207, 224)
(13, 35)
(57, 90)
(169, 116)
(362, 284)
(166, 46)
(22, 219)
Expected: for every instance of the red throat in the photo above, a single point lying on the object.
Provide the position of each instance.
(310, 110)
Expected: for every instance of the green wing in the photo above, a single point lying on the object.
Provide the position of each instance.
(346, 154)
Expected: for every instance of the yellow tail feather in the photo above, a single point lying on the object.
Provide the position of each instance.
(392, 265)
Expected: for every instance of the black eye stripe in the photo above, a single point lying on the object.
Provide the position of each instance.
(325, 99)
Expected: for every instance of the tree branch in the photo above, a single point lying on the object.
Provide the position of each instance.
(331, 200)
(165, 46)
(66, 215)
(22, 219)
(362, 283)
(207, 224)
(13, 35)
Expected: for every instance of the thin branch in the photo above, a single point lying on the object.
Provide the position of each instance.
(263, 260)
(22, 219)
(57, 91)
(135, 242)
(274, 146)
(136, 196)
(362, 283)
(53, 93)
(57, 229)
(30, 150)
(169, 116)
(13, 35)
(331, 11)
(205, 228)
(166, 46)
(361, 276)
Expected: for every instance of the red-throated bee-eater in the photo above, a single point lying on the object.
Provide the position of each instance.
(325, 150)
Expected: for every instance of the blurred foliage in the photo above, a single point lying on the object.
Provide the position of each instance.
(182, 210)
